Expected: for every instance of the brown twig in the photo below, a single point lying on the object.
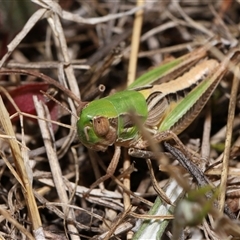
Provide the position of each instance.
(231, 114)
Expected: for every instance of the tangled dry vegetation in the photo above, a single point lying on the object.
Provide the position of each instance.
(86, 46)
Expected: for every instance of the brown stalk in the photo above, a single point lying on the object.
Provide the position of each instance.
(231, 115)
(21, 169)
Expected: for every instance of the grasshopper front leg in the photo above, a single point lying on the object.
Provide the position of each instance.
(110, 170)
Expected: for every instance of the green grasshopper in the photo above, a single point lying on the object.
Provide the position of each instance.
(108, 121)
(162, 110)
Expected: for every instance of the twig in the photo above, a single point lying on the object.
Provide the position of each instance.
(137, 27)
(135, 43)
(21, 170)
(28, 26)
(231, 114)
(76, 18)
(54, 164)
(4, 213)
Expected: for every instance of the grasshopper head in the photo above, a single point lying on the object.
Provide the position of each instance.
(95, 130)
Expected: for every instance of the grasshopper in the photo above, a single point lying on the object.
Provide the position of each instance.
(161, 108)
(107, 121)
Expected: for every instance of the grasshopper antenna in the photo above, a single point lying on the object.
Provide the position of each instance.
(56, 101)
(48, 80)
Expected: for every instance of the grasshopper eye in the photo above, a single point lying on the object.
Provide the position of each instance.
(101, 126)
